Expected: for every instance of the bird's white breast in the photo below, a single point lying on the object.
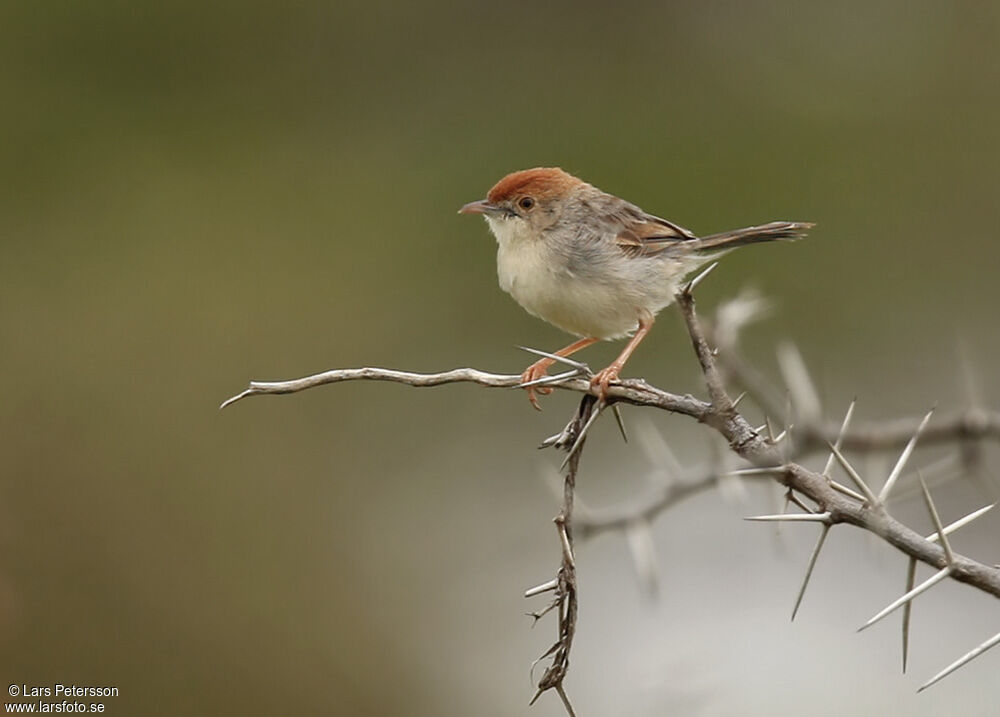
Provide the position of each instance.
(540, 280)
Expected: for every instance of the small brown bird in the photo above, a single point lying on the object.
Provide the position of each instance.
(592, 264)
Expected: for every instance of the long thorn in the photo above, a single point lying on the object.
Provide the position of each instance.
(948, 555)
(911, 578)
(967, 657)
(840, 436)
(849, 469)
(847, 491)
(792, 518)
(903, 457)
(616, 409)
(579, 439)
(770, 429)
(549, 379)
(790, 497)
(698, 279)
(809, 568)
(565, 699)
(578, 365)
(555, 646)
(567, 548)
(922, 587)
(539, 589)
(550, 441)
(766, 471)
(960, 523)
(542, 613)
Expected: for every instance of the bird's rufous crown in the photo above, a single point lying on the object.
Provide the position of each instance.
(540, 183)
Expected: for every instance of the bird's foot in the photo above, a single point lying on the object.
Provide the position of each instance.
(534, 372)
(603, 378)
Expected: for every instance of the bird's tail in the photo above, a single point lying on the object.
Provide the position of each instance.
(775, 231)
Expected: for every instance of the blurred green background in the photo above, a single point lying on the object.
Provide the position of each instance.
(197, 194)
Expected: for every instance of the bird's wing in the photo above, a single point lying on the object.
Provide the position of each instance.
(642, 234)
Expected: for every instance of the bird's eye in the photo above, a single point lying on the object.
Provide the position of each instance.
(526, 202)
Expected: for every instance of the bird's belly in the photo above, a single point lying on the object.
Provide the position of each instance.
(582, 307)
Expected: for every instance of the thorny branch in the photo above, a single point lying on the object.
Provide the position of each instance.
(772, 457)
(564, 599)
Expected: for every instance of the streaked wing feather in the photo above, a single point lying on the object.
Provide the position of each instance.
(643, 233)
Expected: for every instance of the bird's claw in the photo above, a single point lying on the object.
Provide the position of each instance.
(533, 373)
(602, 379)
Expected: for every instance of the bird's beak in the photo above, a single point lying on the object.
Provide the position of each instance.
(479, 207)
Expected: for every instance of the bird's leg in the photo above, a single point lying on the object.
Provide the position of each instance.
(605, 376)
(536, 370)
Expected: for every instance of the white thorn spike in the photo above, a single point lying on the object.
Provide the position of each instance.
(567, 548)
(543, 588)
(911, 578)
(847, 491)
(549, 379)
(967, 657)
(579, 366)
(579, 438)
(903, 457)
(840, 437)
(698, 279)
(770, 429)
(616, 410)
(809, 569)
(765, 471)
(960, 523)
(896, 604)
(792, 518)
(849, 469)
(948, 555)
(550, 441)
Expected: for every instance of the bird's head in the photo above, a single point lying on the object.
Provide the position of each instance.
(525, 203)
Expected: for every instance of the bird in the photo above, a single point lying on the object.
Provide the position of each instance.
(593, 264)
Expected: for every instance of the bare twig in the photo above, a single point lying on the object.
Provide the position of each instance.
(743, 440)
(633, 391)
(721, 405)
(975, 424)
(565, 597)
